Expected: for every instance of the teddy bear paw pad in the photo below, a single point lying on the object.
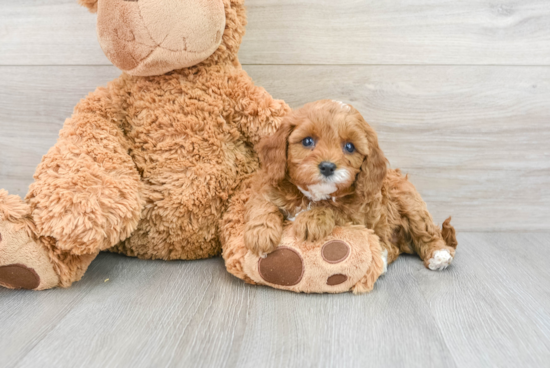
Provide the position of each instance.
(18, 276)
(335, 251)
(336, 279)
(284, 267)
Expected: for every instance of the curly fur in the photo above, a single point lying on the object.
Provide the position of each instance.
(15, 211)
(371, 194)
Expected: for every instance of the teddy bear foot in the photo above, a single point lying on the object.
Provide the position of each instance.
(24, 264)
(285, 266)
(347, 260)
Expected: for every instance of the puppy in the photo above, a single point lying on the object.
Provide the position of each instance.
(324, 168)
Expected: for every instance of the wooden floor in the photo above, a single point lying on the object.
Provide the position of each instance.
(490, 309)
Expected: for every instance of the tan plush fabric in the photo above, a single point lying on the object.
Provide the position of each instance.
(146, 165)
(152, 37)
(18, 245)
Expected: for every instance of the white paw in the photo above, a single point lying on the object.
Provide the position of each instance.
(440, 260)
(385, 259)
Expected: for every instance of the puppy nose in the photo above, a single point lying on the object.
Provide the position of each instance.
(327, 168)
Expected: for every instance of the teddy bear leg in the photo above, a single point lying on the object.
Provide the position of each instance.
(29, 261)
(24, 261)
(86, 197)
(348, 259)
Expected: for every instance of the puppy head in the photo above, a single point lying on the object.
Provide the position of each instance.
(326, 149)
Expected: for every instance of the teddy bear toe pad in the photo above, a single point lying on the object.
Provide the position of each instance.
(335, 251)
(337, 279)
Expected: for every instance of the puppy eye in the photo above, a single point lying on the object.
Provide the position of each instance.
(349, 147)
(308, 142)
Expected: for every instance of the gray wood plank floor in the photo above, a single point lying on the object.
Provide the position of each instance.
(490, 309)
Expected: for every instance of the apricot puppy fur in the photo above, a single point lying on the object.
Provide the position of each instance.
(324, 168)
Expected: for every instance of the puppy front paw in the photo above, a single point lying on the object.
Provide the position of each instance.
(261, 239)
(313, 225)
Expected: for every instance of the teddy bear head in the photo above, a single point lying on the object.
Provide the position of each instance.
(153, 37)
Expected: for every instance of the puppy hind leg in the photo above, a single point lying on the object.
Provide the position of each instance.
(429, 243)
(434, 246)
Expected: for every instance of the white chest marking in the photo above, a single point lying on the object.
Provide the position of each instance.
(319, 192)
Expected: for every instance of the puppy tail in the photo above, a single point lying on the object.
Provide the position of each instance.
(449, 233)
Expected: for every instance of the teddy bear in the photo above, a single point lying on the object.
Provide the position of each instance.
(146, 165)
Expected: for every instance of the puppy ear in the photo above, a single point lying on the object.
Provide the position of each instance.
(373, 170)
(90, 4)
(272, 151)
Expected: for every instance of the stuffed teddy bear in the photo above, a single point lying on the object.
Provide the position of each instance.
(146, 165)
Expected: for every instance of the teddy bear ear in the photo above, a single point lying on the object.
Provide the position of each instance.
(90, 4)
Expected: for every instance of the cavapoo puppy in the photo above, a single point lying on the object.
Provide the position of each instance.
(323, 168)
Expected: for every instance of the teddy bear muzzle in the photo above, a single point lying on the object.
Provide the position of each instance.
(152, 37)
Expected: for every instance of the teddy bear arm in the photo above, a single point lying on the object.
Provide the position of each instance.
(255, 112)
(86, 193)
